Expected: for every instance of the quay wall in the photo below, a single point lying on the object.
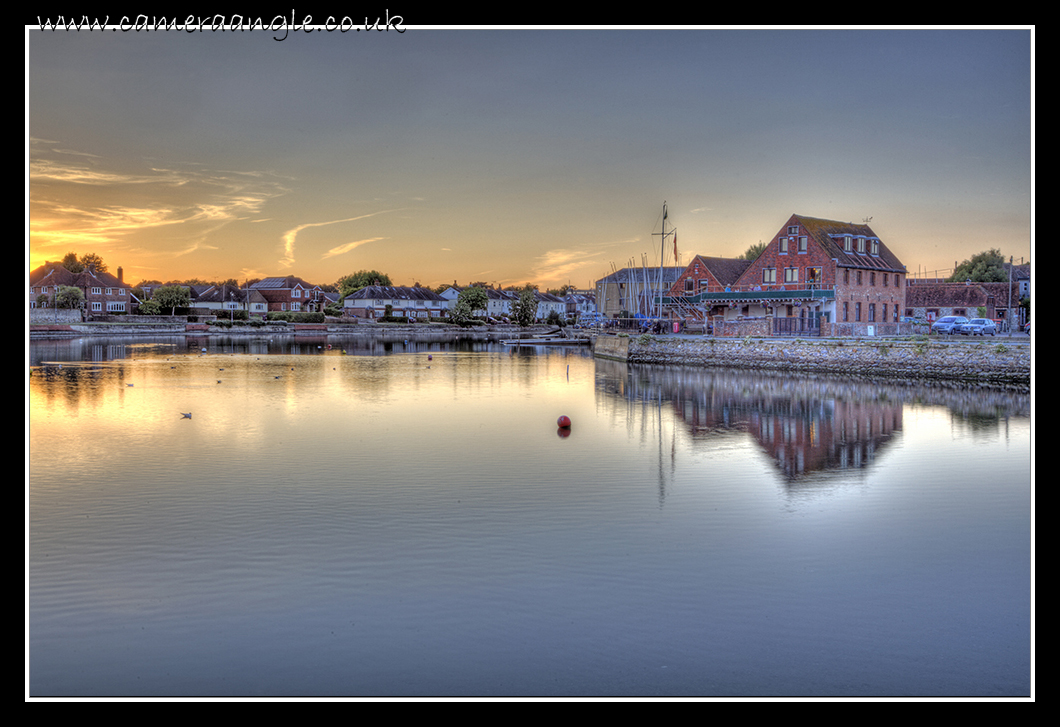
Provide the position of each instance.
(991, 362)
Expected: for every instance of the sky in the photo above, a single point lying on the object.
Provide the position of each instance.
(509, 155)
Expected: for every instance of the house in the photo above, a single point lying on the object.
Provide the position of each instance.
(547, 304)
(290, 293)
(371, 303)
(499, 302)
(581, 306)
(704, 275)
(104, 293)
(815, 277)
(931, 301)
(220, 299)
(633, 290)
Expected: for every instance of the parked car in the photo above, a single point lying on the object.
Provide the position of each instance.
(979, 327)
(948, 324)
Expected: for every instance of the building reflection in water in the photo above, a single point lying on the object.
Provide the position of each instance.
(806, 425)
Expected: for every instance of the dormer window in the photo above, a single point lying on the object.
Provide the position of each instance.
(861, 245)
(848, 244)
(875, 247)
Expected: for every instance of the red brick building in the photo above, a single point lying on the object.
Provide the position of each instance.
(291, 293)
(104, 293)
(815, 277)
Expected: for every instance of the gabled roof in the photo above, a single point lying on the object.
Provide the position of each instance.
(56, 274)
(392, 292)
(945, 295)
(829, 235)
(229, 293)
(288, 282)
(726, 270)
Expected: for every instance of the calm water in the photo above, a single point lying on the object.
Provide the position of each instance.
(384, 523)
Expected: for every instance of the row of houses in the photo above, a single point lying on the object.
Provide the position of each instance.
(108, 294)
(815, 276)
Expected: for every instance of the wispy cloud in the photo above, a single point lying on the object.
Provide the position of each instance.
(342, 249)
(291, 236)
(72, 197)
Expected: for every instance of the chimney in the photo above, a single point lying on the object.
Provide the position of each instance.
(121, 278)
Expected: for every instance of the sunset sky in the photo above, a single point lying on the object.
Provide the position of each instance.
(513, 156)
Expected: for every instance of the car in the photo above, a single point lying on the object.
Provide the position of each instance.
(979, 327)
(948, 324)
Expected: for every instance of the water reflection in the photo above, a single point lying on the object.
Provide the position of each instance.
(330, 524)
(807, 425)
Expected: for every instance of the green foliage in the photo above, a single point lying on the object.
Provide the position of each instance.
(986, 267)
(470, 300)
(553, 319)
(362, 278)
(755, 250)
(69, 296)
(524, 310)
(150, 308)
(172, 297)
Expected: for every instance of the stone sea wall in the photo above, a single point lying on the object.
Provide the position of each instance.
(992, 362)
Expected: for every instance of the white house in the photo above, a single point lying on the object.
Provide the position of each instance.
(414, 303)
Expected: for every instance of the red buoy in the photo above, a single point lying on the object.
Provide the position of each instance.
(564, 421)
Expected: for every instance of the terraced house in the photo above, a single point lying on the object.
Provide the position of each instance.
(815, 277)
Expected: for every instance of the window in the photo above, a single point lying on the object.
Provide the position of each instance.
(848, 244)
(872, 312)
(110, 291)
(883, 313)
(857, 312)
(875, 247)
(885, 277)
(97, 291)
(859, 277)
(793, 230)
(769, 276)
(872, 279)
(813, 276)
(802, 244)
(115, 307)
(296, 294)
(791, 275)
(846, 311)
(689, 285)
(846, 276)
(783, 246)
(97, 306)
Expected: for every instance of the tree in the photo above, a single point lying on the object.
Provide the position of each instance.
(71, 263)
(94, 261)
(150, 308)
(69, 296)
(524, 310)
(755, 250)
(172, 297)
(469, 301)
(986, 267)
(361, 279)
